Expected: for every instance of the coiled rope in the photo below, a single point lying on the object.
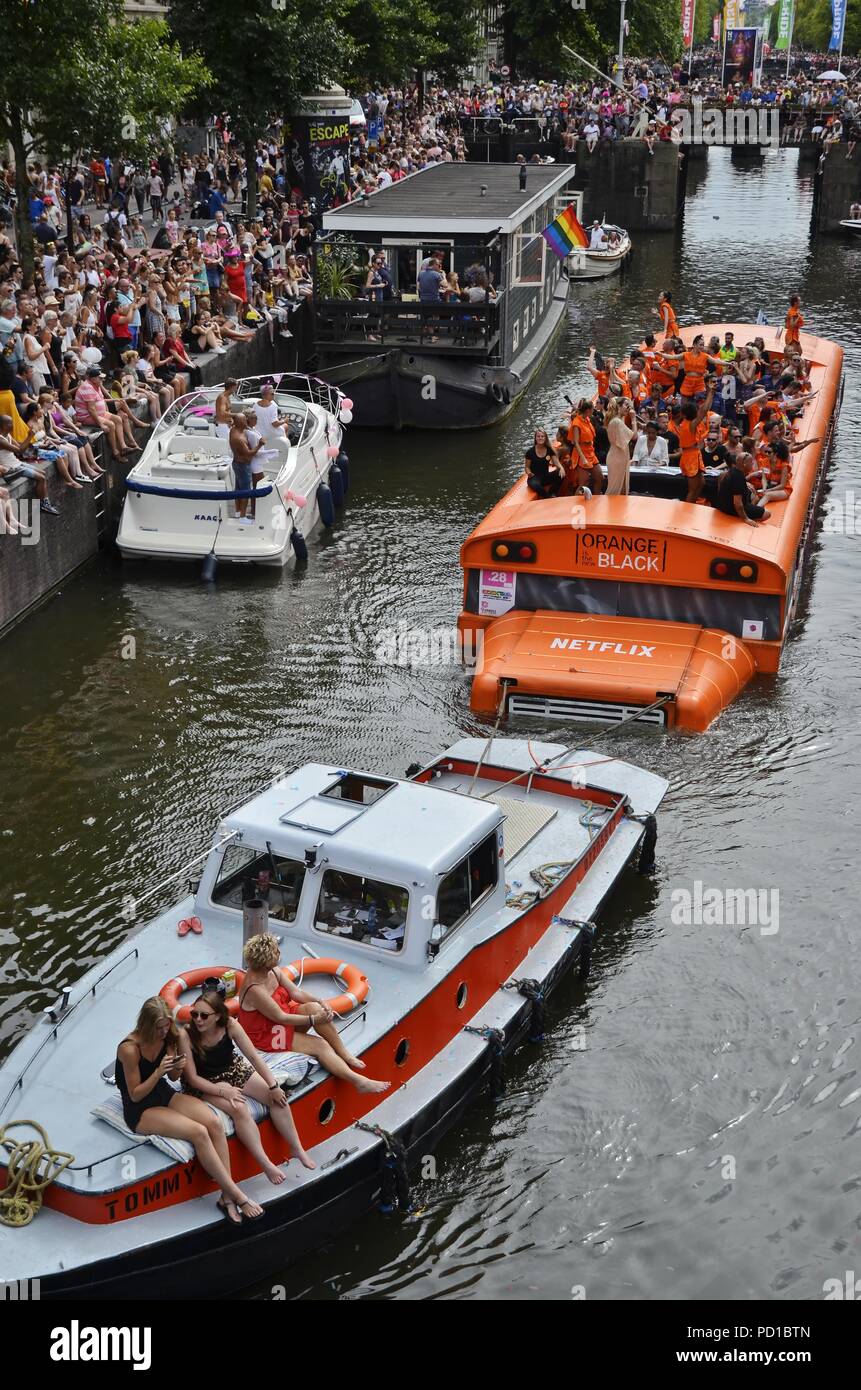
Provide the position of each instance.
(31, 1167)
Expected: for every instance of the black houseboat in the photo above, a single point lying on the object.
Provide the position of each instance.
(464, 362)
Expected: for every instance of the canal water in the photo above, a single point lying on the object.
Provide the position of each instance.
(690, 1127)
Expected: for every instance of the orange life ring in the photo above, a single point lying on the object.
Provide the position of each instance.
(192, 979)
(357, 984)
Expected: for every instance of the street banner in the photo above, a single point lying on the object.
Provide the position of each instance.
(838, 20)
(784, 25)
(687, 22)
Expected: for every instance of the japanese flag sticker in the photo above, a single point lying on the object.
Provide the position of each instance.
(752, 628)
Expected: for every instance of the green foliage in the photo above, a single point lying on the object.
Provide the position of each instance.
(536, 29)
(392, 39)
(75, 77)
(263, 54)
(337, 272)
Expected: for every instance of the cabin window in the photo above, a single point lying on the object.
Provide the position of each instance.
(362, 909)
(529, 258)
(463, 888)
(248, 873)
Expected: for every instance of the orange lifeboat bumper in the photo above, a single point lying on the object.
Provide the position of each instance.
(582, 666)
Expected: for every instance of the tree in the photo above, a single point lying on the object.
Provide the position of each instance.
(393, 38)
(99, 82)
(264, 55)
(535, 31)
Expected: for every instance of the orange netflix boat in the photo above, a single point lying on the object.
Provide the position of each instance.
(640, 606)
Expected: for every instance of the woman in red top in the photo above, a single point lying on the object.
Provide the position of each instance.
(278, 1017)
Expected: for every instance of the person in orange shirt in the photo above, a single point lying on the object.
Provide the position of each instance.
(692, 429)
(794, 321)
(585, 468)
(776, 474)
(602, 373)
(696, 362)
(665, 371)
(666, 313)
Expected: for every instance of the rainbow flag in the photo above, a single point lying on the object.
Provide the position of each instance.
(564, 233)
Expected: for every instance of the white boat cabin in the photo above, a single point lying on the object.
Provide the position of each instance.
(387, 865)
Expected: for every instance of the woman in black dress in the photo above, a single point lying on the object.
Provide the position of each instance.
(223, 1067)
(145, 1060)
(544, 473)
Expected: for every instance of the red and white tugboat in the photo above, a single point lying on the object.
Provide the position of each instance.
(450, 903)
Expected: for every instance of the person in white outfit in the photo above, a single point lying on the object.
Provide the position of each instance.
(621, 424)
(650, 450)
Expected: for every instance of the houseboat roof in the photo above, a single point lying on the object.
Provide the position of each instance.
(409, 828)
(447, 198)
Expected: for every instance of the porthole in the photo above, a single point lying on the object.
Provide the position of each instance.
(327, 1110)
(462, 992)
(402, 1052)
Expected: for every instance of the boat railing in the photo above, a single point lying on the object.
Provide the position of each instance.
(461, 328)
(62, 1018)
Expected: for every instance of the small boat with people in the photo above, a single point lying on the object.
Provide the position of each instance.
(659, 599)
(262, 1062)
(244, 472)
(607, 252)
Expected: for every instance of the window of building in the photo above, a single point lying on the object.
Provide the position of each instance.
(247, 873)
(363, 909)
(463, 888)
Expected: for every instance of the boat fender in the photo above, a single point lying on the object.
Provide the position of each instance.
(495, 1039)
(343, 462)
(193, 979)
(531, 990)
(496, 392)
(208, 568)
(394, 1179)
(300, 549)
(586, 942)
(647, 850)
(326, 505)
(336, 483)
(506, 395)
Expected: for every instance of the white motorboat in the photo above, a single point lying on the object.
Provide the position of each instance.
(441, 908)
(584, 264)
(181, 497)
(851, 224)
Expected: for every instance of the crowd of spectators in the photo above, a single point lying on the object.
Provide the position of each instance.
(108, 333)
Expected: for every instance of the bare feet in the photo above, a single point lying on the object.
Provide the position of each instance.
(305, 1159)
(367, 1086)
(274, 1174)
(73, 484)
(355, 1062)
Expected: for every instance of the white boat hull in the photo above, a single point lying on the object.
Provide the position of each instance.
(180, 502)
(595, 265)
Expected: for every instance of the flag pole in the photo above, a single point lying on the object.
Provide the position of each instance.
(693, 27)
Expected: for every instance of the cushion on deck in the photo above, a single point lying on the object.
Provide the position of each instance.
(291, 1068)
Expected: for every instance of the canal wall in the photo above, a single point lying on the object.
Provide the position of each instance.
(625, 184)
(32, 571)
(837, 185)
